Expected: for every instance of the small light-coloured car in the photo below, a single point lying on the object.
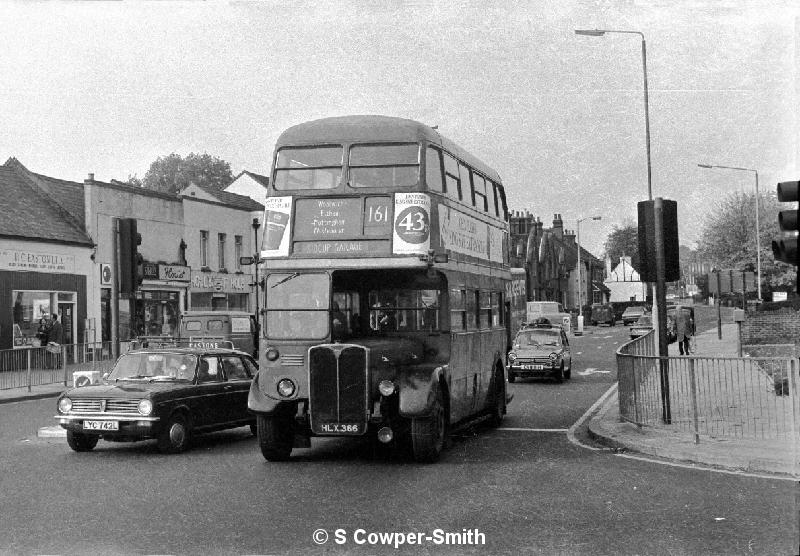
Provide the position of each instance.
(632, 314)
(540, 350)
(643, 325)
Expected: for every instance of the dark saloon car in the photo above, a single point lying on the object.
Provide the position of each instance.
(165, 393)
(540, 350)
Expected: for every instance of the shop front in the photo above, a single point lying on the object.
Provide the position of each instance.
(36, 285)
(159, 301)
(219, 291)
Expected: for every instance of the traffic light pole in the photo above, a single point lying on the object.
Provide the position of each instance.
(660, 310)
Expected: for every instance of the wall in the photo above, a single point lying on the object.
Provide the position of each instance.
(771, 327)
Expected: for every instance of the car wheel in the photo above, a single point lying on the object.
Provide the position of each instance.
(82, 442)
(175, 436)
(428, 433)
(560, 373)
(568, 372)
(275, 437)
(254, 429)
(498, 409)
(512, 377)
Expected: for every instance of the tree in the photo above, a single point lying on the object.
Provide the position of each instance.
(728, 238)
(623, 241)
(173, 173)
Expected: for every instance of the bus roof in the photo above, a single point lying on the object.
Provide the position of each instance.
(370, 128)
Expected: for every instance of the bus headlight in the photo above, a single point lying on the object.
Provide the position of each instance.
(386, 387)
(286, 388)
(512, 356)
(272, 354)
(145, 407)
(64, 405)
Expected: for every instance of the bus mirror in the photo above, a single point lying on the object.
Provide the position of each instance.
(443, 258)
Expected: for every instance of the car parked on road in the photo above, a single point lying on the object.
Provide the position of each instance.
(602, 313)
(540, 350)
(631, 314)
(164, 392)
(642, 326)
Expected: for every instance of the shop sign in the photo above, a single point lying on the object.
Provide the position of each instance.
(15, 259)
(217, 282)
(173, 272)
(150, 271)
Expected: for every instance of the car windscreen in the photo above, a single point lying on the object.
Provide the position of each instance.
(532, 338)
(154, 366)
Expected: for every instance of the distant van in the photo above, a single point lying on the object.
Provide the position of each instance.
(207, 327)
(602, 313)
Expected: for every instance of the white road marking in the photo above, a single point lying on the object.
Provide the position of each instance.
(585, 416)
(592, 371)
(530, 430)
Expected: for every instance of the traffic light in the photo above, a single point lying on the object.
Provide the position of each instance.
(785, 248)
(131, 271)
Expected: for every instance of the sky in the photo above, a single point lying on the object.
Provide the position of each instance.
(107, 88)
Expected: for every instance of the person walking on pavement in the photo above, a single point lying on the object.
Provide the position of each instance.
(56, 335)
(684, 328)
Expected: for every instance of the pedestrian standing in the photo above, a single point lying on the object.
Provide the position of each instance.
(56, 336)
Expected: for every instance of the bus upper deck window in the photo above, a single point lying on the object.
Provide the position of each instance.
(308, 168)
(395, 165)
(433, 169)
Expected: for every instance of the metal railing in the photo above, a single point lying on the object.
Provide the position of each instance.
(35, 366)
(749, 397)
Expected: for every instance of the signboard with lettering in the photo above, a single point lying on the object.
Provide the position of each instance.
(220, 282)
(173, 272)
(412, 224)
(277, 220)
(15, 259)
(465, 234)
(150, 271)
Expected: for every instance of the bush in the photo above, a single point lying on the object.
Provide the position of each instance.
(790, 304)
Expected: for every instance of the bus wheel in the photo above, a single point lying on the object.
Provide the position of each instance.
(428, 433)
(275, 437)
(82, 442)
(498, 409)
(175, 436)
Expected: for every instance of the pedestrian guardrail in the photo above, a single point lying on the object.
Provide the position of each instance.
(740, 397)
(37, 366)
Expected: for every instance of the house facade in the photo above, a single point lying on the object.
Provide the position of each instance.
(624, 282)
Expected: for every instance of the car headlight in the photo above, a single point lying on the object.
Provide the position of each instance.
(512, 356)
(64, 405)
(553, 357)
(145, 407)
(286, 388)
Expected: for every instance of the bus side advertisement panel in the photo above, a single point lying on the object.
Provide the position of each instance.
(467, 235)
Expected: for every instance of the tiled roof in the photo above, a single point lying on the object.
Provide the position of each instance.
(263, 180)
(67, 194)
(233, 199)
(29, 212)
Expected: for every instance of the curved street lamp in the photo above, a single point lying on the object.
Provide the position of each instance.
(602, 32)
(758, 227)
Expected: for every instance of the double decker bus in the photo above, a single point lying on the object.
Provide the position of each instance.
(385, 256)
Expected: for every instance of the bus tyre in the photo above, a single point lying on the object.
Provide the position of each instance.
(275, 437)
(81, 442)
(498, 409)
(428, 433)
(176, 435)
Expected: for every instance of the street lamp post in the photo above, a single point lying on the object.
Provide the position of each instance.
(758, 226)
(602, 32)
(580, 279)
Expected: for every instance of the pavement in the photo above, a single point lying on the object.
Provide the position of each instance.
(774, 457)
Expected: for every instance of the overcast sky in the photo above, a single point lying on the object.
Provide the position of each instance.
(109, 87)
